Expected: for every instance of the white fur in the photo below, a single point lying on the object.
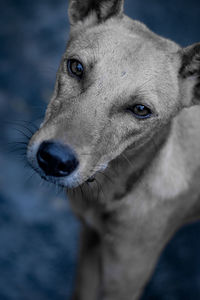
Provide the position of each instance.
(168, 177)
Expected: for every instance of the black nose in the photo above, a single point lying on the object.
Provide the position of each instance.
(56, 159)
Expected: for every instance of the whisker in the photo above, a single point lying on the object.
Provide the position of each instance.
(17, 151)
(89, 188)
(81, 192)
(30, 177)
(101, 189)
(30, 123)
(106, 176)
(18, 143)
(24, 134)
(98, 190)
(126, 158)
(23, 126)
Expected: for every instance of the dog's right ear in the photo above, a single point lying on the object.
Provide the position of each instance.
(79, 10)
(190, 73)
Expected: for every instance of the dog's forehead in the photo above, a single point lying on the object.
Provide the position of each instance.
(124, 59)
(114, 41)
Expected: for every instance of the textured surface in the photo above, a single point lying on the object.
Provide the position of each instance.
(38, 233)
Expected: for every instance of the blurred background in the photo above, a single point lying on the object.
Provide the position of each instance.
(38, 233)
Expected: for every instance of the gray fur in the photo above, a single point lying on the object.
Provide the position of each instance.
(147, 171)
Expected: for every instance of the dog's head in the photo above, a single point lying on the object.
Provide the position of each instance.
(117, 85)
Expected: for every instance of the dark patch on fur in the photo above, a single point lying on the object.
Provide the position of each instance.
(80, 9)
(93, 240)
(132, 180)
(114, 10)
(106, 216)
(136, 175)
(190, 61)
(59, 88)
(90, 238)
(191, 67)
(197, 90)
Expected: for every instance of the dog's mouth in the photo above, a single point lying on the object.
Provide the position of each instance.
(66, 182)
(91, 179)
(74, 180)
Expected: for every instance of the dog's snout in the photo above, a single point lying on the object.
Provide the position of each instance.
(56, 159)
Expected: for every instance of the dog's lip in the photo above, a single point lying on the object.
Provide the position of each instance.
(54, 180)
(49, 179)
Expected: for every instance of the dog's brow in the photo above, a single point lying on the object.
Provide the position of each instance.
(83, 42)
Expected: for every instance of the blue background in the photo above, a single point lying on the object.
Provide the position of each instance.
(38, 233)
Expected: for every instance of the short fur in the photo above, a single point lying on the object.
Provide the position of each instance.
(147, 171)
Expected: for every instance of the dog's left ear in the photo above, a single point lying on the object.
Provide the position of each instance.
(190, 74)
(79, 10)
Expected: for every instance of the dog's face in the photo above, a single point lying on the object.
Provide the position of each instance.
(117, 85)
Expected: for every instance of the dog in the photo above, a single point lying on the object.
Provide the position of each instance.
(122, 135)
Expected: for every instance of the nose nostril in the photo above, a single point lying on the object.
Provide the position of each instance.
(56, 159)
(64, 167)
(45, 156)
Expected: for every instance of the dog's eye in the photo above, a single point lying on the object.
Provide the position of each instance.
(75, 68)
(140, 111)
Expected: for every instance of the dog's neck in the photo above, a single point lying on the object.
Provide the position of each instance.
(156, 172)
(132, 165)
